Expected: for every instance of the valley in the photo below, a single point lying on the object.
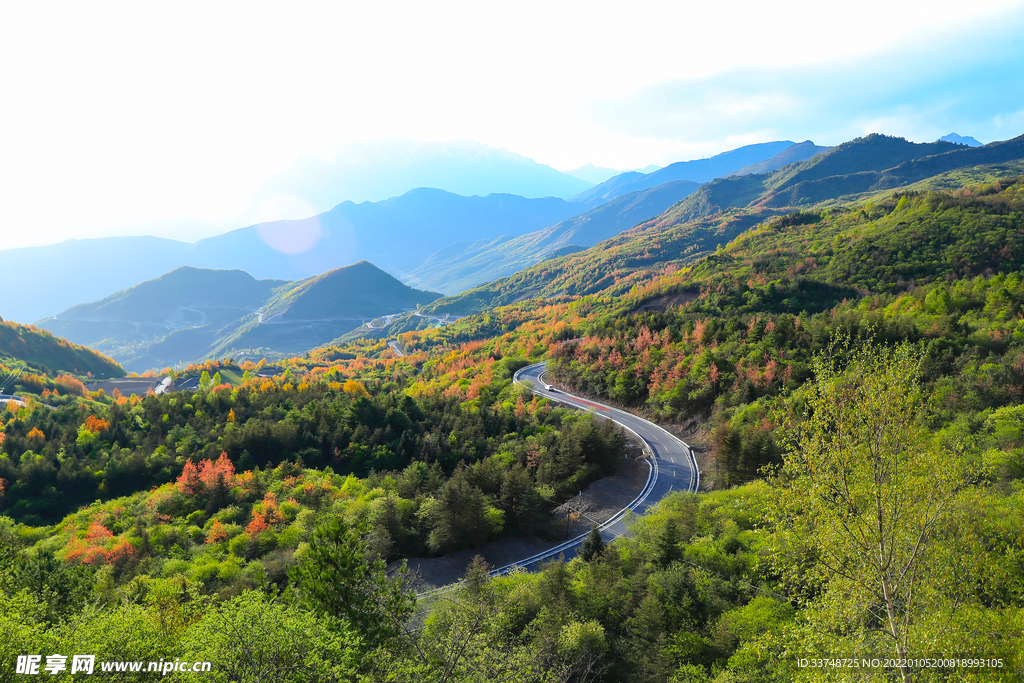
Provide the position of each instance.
(512, 343)
(877, 282)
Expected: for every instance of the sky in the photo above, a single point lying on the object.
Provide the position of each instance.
(172, 119)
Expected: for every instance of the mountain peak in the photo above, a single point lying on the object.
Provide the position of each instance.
(695, 170)
(960, 140)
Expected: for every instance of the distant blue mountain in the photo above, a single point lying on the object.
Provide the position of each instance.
(396, 234)
(801, 151)
(593, 174)
(960, 140)
(377, 171)
(697, 170)
(596, 174)
(455, 269)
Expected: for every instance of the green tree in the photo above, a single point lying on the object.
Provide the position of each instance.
(463, 640)
(593, 545)
(340, 578)
(61, 587)
(666, 544)
(251, 638)
(865, 495)
(645, 641)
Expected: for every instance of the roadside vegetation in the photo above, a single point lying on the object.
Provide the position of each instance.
(860, 370)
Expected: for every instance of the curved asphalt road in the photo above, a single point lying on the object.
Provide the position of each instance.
(4, 398)
(672, 468)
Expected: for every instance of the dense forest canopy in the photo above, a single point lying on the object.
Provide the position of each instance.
(855, 371)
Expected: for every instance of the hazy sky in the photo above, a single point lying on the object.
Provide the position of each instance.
(139, 118)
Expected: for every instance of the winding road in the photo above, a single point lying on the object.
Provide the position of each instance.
(673, 466)
(4, 398)
(671, 462)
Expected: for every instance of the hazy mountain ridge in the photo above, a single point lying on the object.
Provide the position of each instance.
(487, 260)
(960, 140)
(596, 174)
(398, 234)
(192, 314)
(189, 306)
(801, 151)
(159, 300)
(376, 171)
(593, 174)
(721, 210)
(696, 170)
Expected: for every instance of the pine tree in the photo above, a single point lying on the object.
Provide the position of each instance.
(340, 579)
(666, 544)
(593, 545)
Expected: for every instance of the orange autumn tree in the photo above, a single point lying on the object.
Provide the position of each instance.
(189, 482)
(96, 424)
(265, 514)
(354, 388)
(98, 546)
(71, 385)
(216, 533)
(207, 477)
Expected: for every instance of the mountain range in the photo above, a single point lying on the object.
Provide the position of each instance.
(378, 170)
(419, 228)
(722, 209)
(698, 171)
(396, 234)
(453, 270)
(191, 314)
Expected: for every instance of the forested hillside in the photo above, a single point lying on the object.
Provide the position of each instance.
(193, 314)
(942, 270)
(27, 347)
(722, 209)
(454, 270)
(809, 354)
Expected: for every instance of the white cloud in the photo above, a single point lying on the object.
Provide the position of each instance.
(140, 117)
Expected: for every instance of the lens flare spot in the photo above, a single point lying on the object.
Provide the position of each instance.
(288, 233)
